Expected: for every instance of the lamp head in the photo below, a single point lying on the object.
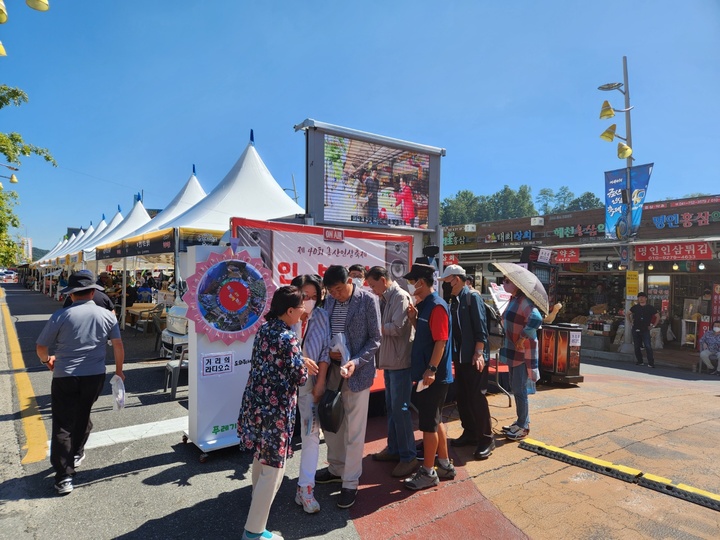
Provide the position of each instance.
(609, 134)
(3, 13)
(610, 86)
(13, 179)
(2, 50)
(650, 266)
(675, 266)
(39, 5)
(701, 266)
(624, 151)
(606, 111)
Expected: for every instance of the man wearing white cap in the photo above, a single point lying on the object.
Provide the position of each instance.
(78, 335)
(470, 350)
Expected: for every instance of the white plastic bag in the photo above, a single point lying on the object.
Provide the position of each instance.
(118, 390)
(339, 344)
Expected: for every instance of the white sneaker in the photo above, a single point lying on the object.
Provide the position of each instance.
(305, 498)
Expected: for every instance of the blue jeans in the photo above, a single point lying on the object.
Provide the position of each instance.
(643, 336)
(401, 437)
(518, 383)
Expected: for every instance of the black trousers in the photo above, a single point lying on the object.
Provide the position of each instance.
(72, 400)
(471, 401)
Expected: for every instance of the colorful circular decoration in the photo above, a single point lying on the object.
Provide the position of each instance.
(228, 295)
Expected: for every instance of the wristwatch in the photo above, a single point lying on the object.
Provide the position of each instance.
(432, 369)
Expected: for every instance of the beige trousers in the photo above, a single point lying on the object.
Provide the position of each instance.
(345, 448)
(266, 481)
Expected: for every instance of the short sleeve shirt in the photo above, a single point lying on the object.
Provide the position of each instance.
(79, 336)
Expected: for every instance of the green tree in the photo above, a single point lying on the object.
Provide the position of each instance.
(562, 199)
(546, 199)
(12, 146)
(586, 201)
(461, 209)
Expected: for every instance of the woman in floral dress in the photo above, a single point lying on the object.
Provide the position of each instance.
(267, 415)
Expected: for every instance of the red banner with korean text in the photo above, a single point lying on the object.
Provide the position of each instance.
(673, 251)
(567, 255)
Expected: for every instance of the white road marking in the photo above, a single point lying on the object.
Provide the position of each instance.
(137, 432)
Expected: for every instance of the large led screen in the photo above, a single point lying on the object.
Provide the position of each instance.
(368, 183)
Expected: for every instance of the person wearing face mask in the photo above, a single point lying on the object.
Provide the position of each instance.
(521, 319)
(431, 365)
(357, 273)
(313, 331)
(267, 415)
(470, 350)
(710, 348)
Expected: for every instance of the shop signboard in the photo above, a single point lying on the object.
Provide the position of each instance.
(567, 255)
(450, 258)
(632, 283)
(621, 222)
(673, 251)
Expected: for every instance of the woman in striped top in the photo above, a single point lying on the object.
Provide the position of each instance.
(313, 330)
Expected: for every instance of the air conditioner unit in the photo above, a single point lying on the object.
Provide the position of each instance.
(537, 222)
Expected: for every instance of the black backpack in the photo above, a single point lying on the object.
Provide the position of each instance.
(491, 315)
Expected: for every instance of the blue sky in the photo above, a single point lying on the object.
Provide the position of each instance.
(128, 95)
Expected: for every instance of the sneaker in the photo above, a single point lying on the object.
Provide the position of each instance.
(385, 455)
(517, 433)
(79, 460)
(265, 535)
(405, 469)
(509, 428)
(324, 476)
(422, 480)
(639, 363)
(651, 365)
(305, 498)
(444, 473)
(64, 486)
(346, 498)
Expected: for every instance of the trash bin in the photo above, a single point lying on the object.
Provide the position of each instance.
(560, 352)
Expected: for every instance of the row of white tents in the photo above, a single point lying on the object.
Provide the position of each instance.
(192, 217)
(248, 190)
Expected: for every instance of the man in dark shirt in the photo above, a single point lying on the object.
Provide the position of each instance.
(100, 298)
(643, 317)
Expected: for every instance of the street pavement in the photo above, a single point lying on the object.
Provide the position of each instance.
(141, 481)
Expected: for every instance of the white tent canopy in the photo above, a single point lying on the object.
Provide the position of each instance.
(54, 253)
(70, 247)
(49, 254)
(248, 190)
(136, 218)
(101, 229)
(190, 195)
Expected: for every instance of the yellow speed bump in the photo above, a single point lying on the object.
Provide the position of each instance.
(36, 436)
(628, 474)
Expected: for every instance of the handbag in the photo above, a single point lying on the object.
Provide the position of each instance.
(330, 409)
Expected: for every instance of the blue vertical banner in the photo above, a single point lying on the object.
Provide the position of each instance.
(618, 225)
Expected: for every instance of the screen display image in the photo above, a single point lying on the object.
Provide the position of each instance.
(373, 184)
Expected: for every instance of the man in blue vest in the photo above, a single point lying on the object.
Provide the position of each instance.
(431, 366)
(470, 351)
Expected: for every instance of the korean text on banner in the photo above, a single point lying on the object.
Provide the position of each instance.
(617, 220)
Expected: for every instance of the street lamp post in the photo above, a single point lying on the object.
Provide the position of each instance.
(626, 149)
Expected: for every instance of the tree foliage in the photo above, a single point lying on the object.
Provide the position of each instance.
(13, 146)
(565, 201)
(466, 207)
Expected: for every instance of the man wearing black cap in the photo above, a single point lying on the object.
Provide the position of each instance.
(78, 335)
(643, 317)
(430, 365)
